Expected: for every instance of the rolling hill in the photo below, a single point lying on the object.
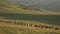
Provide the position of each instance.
(28, 14)
(52, 5)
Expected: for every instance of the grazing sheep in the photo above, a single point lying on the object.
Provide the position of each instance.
(45, 26)
(57, 28)
(14, 22)
(37, 25)
(31, 25)
(28, 24)
(42, 26)
(50, 27)
(21, 23)
(24, 24)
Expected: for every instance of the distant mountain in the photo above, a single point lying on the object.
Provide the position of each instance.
(45, 4)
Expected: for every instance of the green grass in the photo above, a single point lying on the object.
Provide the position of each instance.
(50, 19)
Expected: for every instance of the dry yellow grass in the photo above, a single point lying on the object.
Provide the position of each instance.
(18, 29)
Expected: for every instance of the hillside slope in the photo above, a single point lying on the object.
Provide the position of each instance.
(18, 29)
(52, 5)
(27, 14)
(12, 7)
(11, 10)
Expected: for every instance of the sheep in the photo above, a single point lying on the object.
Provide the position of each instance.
(56, 28)
(45, 26)
(37, 25)
(28, 25)
(32, 25)
(50, 27)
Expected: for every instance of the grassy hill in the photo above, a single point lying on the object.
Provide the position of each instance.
(28, 14)
(18, 29)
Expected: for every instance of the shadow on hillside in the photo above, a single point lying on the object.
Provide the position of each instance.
(51, 19)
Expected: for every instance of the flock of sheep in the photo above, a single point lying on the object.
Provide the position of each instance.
(31, 25)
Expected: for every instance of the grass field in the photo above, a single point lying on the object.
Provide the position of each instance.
(18, 29)
(13, 11)
(50, 19)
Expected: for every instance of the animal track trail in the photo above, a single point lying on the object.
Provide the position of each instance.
(31, 25)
